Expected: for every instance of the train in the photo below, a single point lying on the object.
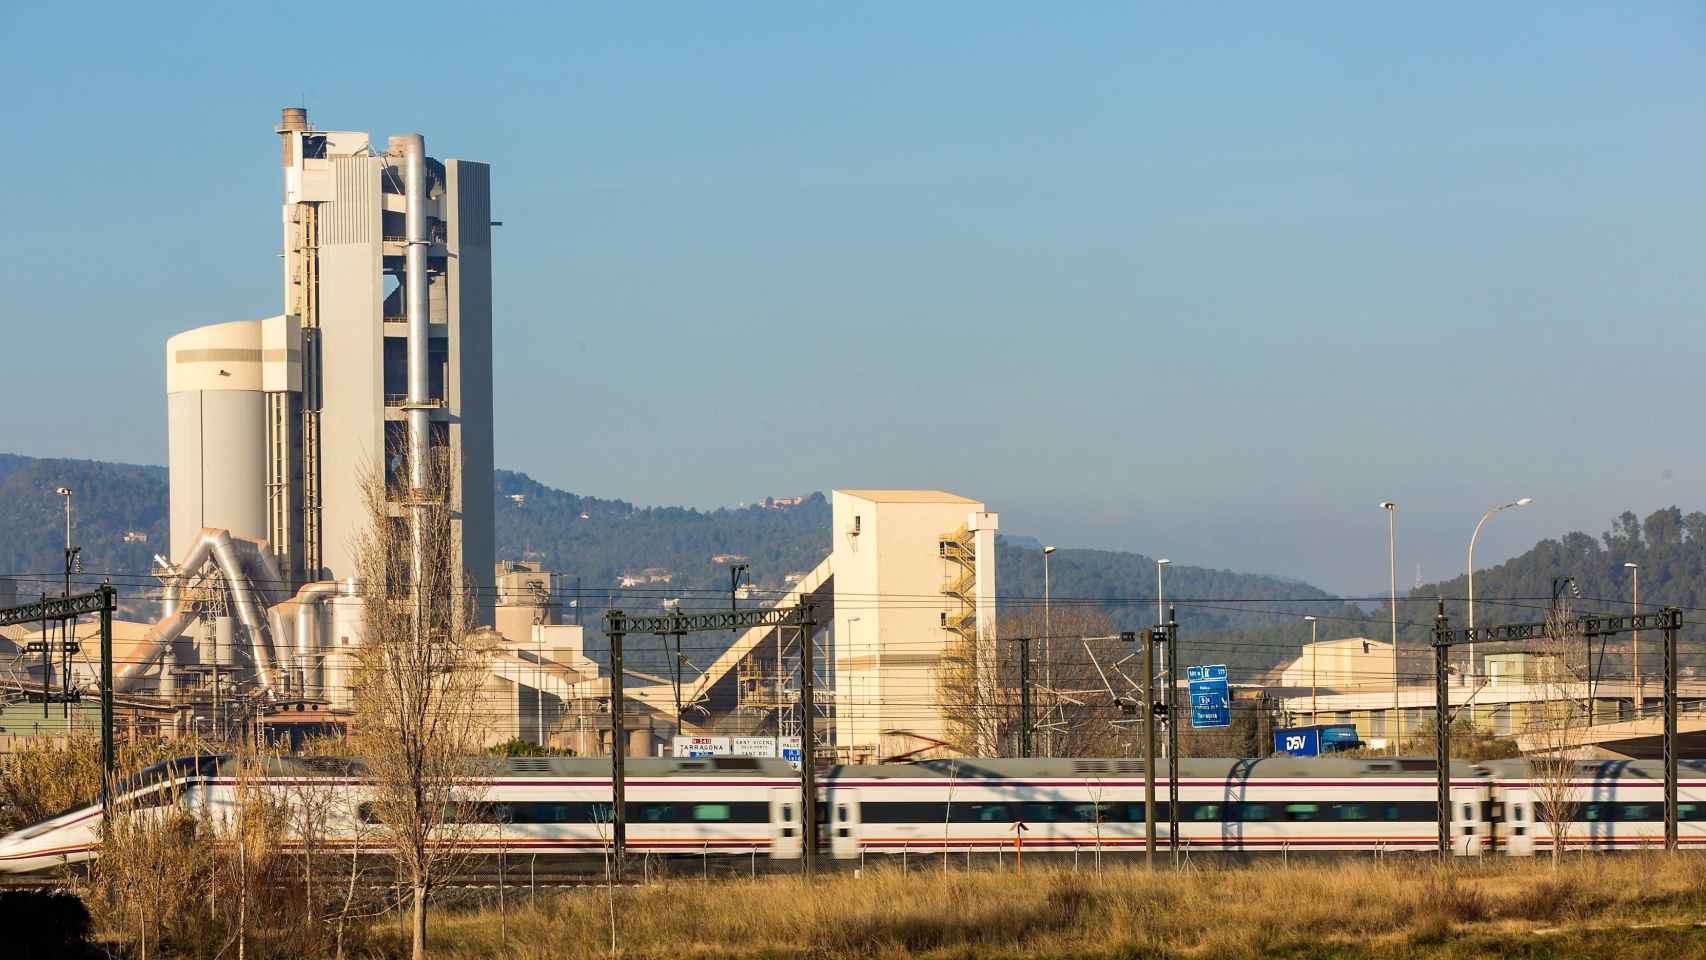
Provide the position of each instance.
(559, 808)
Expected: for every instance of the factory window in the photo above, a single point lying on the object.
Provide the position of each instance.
(313, 146)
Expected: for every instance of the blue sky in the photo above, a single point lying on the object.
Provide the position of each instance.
(1202, 280)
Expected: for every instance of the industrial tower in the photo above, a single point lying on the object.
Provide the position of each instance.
(275, 423)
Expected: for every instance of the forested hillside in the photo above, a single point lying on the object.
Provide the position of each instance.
(1251, 622)
(1669, 546)
(111, 500)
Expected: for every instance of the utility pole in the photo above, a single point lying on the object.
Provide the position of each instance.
(1673, 619)
(107, 605)
(808, 742)
(1149, 639)
(735, 570)
(1173, 733)
(1024, 695)
(676, 676)
(46, 660)
(618, 748)
(1442, 732)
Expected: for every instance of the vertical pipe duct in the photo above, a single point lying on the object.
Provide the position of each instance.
(415, 279)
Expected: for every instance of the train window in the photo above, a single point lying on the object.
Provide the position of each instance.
(1638, 811)
(788, 812)
(1351, 811)
(1205, 811)
(993, 813)
(1468, 811)
(712, 812)
(1302, 811)
(1516, 812)
(1252, 812)
(841, 812)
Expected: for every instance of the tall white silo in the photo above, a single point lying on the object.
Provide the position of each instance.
(217, 381)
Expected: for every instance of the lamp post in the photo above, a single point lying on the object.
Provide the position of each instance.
(1640, 701)
(1519, 502)
(1048, 640)
(1392, 562)
(66, 493)
(1314, 713)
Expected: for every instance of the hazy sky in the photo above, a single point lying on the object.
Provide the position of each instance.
(1199, 280)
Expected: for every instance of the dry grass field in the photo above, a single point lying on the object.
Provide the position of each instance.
(1623, 906)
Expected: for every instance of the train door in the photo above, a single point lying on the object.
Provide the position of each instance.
(1469, 829)
(1518, 828)
(785, 843)
(844, 835)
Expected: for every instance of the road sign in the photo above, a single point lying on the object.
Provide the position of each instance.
(1211, 703)
(702, 747)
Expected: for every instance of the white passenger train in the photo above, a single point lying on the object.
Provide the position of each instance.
(560, 808)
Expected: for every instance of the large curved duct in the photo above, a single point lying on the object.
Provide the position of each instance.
(165, 631)
(221, 547)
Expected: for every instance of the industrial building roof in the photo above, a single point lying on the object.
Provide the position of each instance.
(908, 496)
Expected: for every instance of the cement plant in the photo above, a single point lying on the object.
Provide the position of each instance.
(335, 681)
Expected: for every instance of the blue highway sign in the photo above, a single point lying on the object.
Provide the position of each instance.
(1211, 703)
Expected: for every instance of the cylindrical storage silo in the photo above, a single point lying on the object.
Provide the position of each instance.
(205, 654)
(224, 641)
(216, 432)
(168, 671)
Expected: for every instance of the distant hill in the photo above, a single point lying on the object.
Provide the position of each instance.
(1669, 546)
(1251, 622)
(110, 501)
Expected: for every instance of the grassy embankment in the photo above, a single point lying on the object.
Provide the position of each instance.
(1624, 906)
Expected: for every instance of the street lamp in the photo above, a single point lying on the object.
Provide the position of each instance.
(1392, 561)
(1314, 713)
(66, 493)
(1640, 700)
(1520, 502)
(1048, 640)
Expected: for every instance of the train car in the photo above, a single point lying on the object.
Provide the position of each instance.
(1225, 806)
(1612, 805)
(557, 808)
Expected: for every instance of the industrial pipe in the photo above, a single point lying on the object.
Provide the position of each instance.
(415, 294)
(308, 628)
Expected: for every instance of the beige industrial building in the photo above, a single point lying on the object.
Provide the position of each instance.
(910, 576)
(1352, 662)
(914, 573)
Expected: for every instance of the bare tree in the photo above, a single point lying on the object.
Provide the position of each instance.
(420, 666)
(1556, 733)
(1074, 716)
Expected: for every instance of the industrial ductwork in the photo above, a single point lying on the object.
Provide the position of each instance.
(308, 639)
(221, 548)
